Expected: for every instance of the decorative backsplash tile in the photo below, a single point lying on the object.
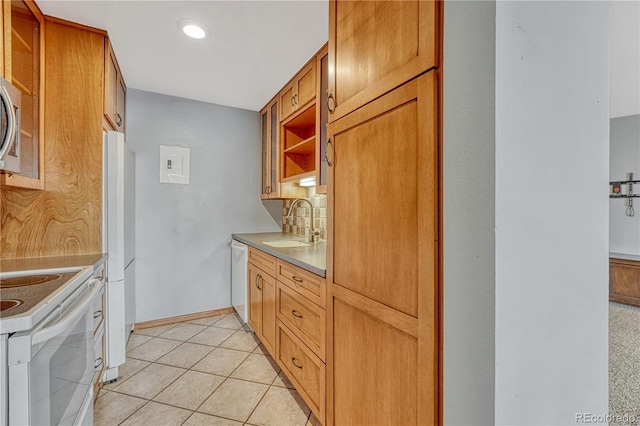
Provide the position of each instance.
(300, 223)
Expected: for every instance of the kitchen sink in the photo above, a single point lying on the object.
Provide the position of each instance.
(285, 243)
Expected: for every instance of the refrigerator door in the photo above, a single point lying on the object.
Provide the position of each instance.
(119, 216)
(114, 153)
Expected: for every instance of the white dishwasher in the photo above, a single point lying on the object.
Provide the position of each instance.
(239, 297)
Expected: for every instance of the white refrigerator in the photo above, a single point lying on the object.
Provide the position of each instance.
(118, 241)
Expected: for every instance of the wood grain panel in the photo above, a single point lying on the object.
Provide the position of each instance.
(305, 370)
(376, 46)
(375, 366)
(65, 218)
(624, 281)
(363, 252)
(376, 207)
(305, 318)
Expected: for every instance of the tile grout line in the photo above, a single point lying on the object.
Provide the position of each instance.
(248, 354)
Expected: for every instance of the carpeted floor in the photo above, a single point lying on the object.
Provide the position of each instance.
(624, 364)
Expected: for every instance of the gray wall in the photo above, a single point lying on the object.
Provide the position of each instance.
(469, 210)
(183, 231)
(624, 231)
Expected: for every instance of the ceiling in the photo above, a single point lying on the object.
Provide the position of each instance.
(254, 49)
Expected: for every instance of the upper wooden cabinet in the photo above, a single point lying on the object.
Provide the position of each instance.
(270, 185)
(322, 118)
(23, 54)
(299, 91)
(114, 91)
(375, 46)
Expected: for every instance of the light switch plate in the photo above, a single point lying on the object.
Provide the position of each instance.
(174, 164)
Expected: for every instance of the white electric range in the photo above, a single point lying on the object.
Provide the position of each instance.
(46, 346)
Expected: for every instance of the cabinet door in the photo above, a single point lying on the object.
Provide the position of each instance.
(287, 101)
(384, 204)
(322, 119)
(375, 46)
(268, 285)
(264, 153)
(121, 103)
(255, 298)
(274, 123)
(23, 68)
(114, 91)
(110, 86)
(305, 85)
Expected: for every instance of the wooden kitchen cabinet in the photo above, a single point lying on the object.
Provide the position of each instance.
(322, 118)
(262, 299)
(303, 368)
(67, 217)
(23, 56)
(114, 91)
(271, 187)
(383, 198)
(300, 91)
(376, 46)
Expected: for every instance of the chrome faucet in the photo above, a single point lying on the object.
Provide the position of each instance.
(314, 236)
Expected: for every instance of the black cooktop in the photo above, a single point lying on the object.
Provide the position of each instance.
(21, 293)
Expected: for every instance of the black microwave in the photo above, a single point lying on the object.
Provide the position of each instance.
(10, 99)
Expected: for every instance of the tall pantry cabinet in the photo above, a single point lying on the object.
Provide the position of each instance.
(383, 196)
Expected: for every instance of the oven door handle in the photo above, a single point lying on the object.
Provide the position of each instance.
(62, 324)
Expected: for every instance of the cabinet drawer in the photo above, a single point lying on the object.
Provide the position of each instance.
(303, 368)
(305, 319)
(98, 311)
(304, 282)
(263, 260)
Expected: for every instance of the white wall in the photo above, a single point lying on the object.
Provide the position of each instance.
(625, 58)
(183, 231)
(552, 155)
(469, 200)
(624, 231)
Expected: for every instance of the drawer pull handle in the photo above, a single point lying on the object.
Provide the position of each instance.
(258, 278)
(98, 363)
(97, 314)
(293, 361)
(296, 279)
(296, 313)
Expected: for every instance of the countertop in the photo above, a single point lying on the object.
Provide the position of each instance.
(56, 262)
(312, 258)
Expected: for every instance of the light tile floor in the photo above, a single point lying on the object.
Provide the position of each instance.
(209, 371)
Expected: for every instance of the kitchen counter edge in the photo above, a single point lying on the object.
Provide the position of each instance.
(312, 258)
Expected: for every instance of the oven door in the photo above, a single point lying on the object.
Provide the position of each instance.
(51, 367)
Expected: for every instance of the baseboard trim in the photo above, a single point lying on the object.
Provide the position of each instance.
(181, 318)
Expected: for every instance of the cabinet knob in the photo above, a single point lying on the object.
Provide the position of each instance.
(97, 314)
(296, 313)
(295, 362)
(118, 120)
(293, 101)
(296, 279)
(98, 363)
(331, 103)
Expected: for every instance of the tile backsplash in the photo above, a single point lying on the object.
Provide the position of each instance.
(300, 223)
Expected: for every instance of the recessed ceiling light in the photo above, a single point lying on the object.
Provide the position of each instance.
(193, 28)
